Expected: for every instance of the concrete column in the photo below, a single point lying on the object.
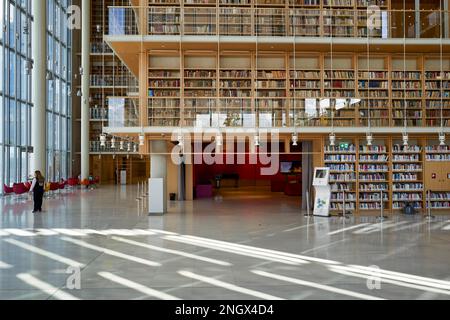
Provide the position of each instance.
(85, 83)
(158, 167)
(39, 88)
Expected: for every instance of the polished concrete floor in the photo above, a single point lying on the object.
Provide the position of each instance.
(101, 244)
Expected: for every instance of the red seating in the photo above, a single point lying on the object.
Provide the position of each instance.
(28, 185)
(19, 188)
(7, 190)
(54, 186)
(73, 182)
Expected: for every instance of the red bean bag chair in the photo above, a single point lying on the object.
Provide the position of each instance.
(19, 188)
(7, 190)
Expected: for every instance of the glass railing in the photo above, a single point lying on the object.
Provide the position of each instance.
(123, 112)
(278, 21)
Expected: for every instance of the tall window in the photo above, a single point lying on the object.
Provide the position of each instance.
(15, 90)
(59, 109)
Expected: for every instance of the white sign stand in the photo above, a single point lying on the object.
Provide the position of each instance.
(323, 192)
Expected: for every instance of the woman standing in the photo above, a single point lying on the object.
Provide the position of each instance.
(37, 188)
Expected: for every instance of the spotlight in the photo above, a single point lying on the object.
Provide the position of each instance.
(442, 139)
(405, 139)
(294, 139)
(369, 138)
(79, 93)
(332, 139)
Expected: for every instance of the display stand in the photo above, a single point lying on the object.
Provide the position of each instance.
(323, 192)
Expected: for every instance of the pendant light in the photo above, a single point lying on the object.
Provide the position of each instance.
(113, 143)
(405, 136)
(121, 145)
(332, 138)
(369, 136)
(294, 137)
(141, 140)
(442, 141)
(129, 146)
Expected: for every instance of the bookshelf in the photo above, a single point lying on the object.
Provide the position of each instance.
(338, 22)
(236, 90)
(270, 90)
(407, 175)
(199, 20)
(235, 21)
(305, 85)
(373, 175)
(164, 90)
(373, 91)
(164, 20)
(338, 84)
(305, 22)
(406, 91)
(270, 22)
(437, 91)
(341, 159)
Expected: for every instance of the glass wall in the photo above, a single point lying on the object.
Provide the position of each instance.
(15, 90)
(15, 86)
(58, 85)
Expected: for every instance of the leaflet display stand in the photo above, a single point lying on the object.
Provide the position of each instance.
(323, 192)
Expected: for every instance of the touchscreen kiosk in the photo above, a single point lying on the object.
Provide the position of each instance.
(323, 192)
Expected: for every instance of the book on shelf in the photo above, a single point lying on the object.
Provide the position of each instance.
(405, 177)
(372, 149)
(373, 168)
(373, 187)
(438, 196)
(271, 74)
(407, 75)
(417, 186)
(382, 177)
(235, 74)
(373, 196)
(373, 158)
(342, 177)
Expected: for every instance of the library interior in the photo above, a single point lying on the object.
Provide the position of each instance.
(227, 145)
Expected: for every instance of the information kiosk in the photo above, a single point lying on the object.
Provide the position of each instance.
(323, 192)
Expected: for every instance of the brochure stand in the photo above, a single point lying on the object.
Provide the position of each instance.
(323, 192)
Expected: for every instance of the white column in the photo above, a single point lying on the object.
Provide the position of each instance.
(158, 177)
(39, 88)
(85, 83)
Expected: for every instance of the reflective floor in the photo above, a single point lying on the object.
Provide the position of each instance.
(100, 244)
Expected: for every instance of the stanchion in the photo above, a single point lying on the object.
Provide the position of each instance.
(429, 217)
(138, 198)
(307, 204)
(382, 217)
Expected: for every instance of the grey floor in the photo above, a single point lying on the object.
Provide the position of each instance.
(101, 244)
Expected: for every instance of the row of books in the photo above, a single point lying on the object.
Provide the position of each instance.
(408, 186)
(407, 196)
(407, 167)
(373, 167)
(164, 83)
(373, 187)
(405, 176)
(340, 157)
(373, 177)
(200, 83)
(442, 196)
(343, 177)
(373, 158)
(342, 167)
(406, 157)
(373, 196)
(400, 205)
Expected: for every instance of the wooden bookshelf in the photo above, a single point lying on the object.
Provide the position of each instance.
(373, 175)
(406, 91)
(437, 91)
(373, 91)
(341, 159)
(407, 175)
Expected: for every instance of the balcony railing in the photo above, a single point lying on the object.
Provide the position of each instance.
(278, 22)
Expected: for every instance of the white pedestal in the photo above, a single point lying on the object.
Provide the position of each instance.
(157, 202)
